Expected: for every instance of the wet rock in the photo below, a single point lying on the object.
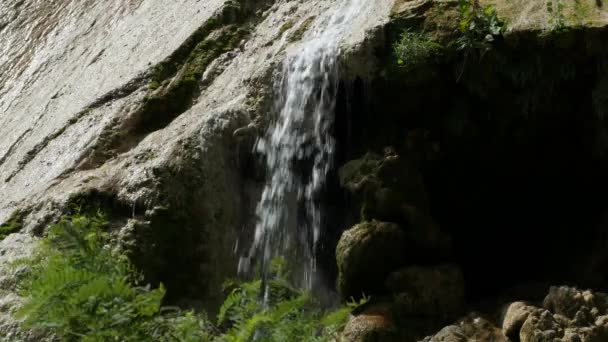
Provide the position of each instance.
(375, 324)
(366, 255)
(436, 291)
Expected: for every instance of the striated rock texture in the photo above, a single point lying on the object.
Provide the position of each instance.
(147, 109)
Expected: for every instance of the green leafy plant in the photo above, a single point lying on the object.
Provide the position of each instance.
(414, 48)
(479, 26)
(278, 312)
(80, 289)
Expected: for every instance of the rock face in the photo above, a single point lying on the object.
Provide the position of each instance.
(137, 102)
(13, 248)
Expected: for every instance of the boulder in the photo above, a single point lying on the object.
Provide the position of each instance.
(390, 189)
(471, 328)
(384, 185)
(366, 255)
(375, 324)
(514, 318)
(436, 291)
(540, 326)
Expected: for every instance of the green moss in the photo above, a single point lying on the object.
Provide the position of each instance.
(12, 225)
(288, 25)
(298, 33)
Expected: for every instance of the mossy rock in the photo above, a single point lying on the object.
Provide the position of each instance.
(366, 255)
(383, 185)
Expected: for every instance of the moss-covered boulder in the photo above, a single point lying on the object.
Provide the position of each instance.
(366, 255)
(385, 186)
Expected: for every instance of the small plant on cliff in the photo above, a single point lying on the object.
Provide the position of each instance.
(414, 48)
(479, 26)
(12, 225)
(79, 289)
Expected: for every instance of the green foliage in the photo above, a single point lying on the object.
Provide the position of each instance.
(79, 289)
(12, 225)
(278, 312)
(414, 48)
(479, 26)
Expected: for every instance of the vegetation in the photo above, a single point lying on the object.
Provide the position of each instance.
(79, 288)
(414, 48)
(12, 225)
(278, 312)
(479, 26)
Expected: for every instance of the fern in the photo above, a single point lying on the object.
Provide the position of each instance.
(80, 290)
(278, 313)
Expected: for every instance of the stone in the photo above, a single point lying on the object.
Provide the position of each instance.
(366, 254)
(389, 188)
(568, 301)
(470, 328)
(384, 185)
(436, 291)
(375, 324)
(514, 318)
(540, 326)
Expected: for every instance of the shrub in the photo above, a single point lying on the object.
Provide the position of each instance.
(479, 26)
(414, 48)
(79, 289)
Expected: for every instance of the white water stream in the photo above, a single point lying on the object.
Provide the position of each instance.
(298, 147)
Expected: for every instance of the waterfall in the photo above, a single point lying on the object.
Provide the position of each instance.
(298, 147)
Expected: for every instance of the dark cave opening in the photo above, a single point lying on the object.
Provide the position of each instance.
(514, 169)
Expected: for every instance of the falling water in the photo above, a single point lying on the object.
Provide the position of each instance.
(298, 147)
